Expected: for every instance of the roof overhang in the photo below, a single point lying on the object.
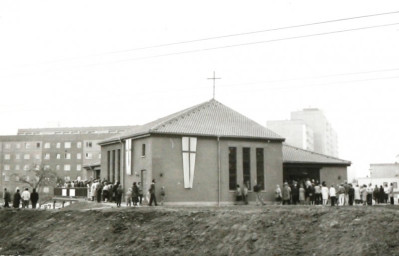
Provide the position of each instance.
(314, 164)
(144, 135)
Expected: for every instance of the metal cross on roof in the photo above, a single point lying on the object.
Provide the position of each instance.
(214, 79)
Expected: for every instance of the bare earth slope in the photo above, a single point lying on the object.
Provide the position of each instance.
(240, 230)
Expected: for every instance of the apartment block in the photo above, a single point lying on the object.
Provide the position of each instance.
(64, 150)
(308, 129)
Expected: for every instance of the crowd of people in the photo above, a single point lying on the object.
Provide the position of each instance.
(311, 192)
(20, 199)
(305, 192)
(104, 191)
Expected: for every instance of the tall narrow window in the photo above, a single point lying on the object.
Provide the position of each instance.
(246, 165)
(128, 155)
(118, 169)
(143, 150)
(189, 147)
(232, 168)
(113, 166)
(260, 174)
(108, 165)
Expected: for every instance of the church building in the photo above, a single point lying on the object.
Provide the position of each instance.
(198, 155)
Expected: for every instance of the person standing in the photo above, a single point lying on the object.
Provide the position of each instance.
(294, 193)
(363, 192)
(286, 194)
(351, 194)
(140, 189)
(386, 193)
(378, 194)
(105, 191)
(324, 193)
(128, 197)
(152, 194)
(25, 198)
(390, 193)
(245, 192)
(17, 199)
(278, 195)
(94, 190)
(34, 198)
(118, 195)
(301, 195)
(333, 195)
(346, 187)
(135, 194)
(370, 195)
(312, 196)
(341, 195)
(7, 198)
(317, 192)
(259, 199)
(357, 194)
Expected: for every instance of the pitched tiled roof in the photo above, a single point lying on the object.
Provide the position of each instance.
(297, 155)
(211, 118)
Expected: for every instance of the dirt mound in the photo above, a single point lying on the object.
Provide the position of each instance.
(270, 230)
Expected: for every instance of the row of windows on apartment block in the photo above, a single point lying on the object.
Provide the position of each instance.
(47, 156)
(27, 167)
(246, 168)
(33, 145)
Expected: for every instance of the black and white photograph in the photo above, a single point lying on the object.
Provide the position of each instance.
(199, 127)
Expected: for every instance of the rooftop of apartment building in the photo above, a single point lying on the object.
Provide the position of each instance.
(75, 130)
(385, 164)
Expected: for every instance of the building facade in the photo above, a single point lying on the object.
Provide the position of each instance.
(199, 155)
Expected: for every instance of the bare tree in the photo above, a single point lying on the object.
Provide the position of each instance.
(38, 177)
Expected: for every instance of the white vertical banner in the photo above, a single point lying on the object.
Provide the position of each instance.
(186, 169)
(128, 154)
(192, 165)
(193, 144)
(189, 147)
(185, 143)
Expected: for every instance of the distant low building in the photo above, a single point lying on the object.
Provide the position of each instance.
(384, 170)
(382, 174)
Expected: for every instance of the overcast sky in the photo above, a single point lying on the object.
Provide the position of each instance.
(89, 63)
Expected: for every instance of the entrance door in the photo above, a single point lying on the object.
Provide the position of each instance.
(98, 172)
(300, 173)
(144, 185)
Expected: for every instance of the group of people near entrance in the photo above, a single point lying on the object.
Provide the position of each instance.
(104, 191)
(20, 199)
(312, 192)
